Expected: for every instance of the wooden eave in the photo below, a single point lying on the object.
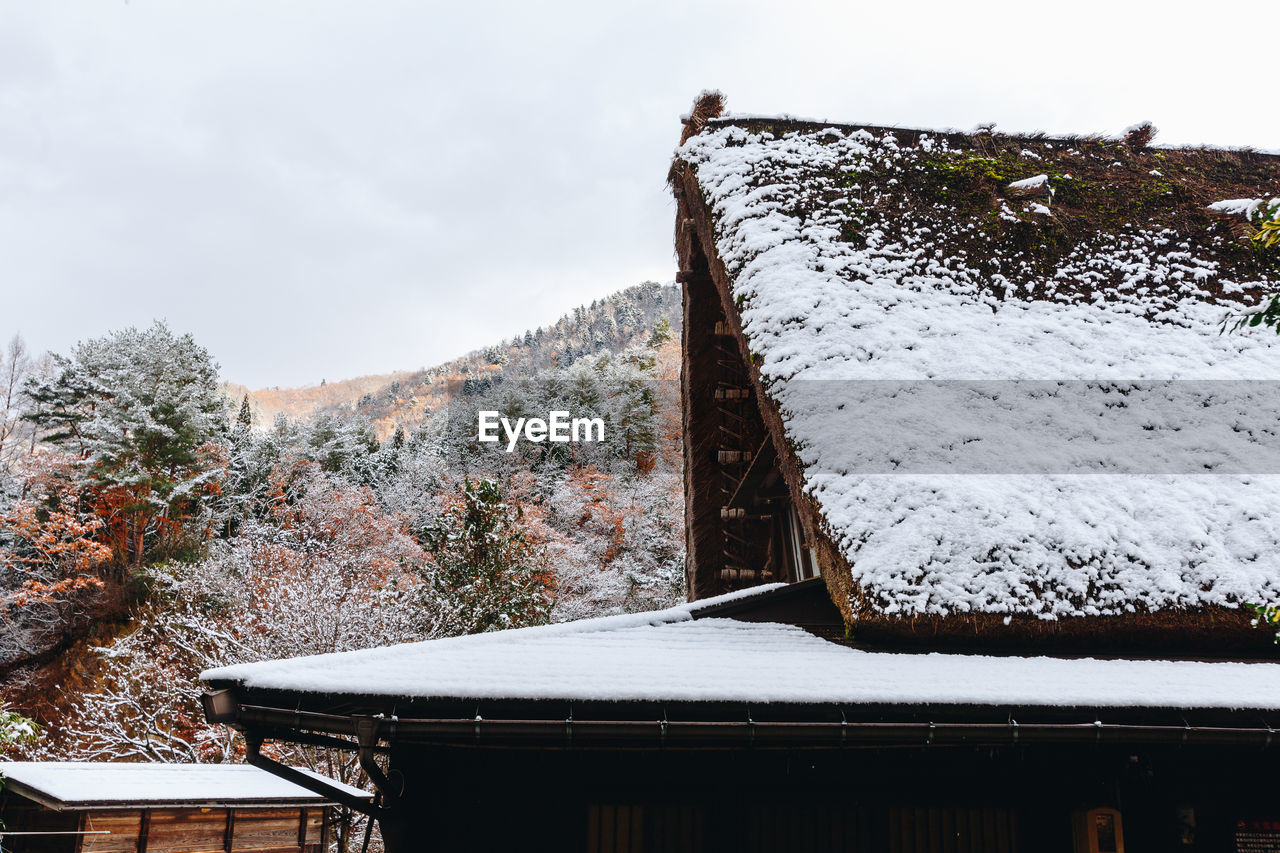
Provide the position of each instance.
(35, 795)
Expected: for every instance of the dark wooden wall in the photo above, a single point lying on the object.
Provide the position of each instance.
(19, 813)
(939, 800)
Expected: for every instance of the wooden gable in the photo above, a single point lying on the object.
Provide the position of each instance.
(741, 522)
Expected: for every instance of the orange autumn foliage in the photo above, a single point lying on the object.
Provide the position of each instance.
(53, 546)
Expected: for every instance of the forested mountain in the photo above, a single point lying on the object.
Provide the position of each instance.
(150, 528)
(404, 398)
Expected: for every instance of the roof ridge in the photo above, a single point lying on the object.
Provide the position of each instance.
(802, 124)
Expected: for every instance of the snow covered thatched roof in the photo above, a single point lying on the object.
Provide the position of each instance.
(99, 785)
(999, 363)
(674, 656)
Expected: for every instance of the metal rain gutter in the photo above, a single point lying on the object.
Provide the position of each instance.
(748, 732)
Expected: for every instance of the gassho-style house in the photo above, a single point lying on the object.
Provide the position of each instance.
(980, 495)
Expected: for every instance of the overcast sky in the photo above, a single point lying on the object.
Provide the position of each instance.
(328, 189)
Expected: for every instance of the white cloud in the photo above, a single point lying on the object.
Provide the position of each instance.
(325, 189)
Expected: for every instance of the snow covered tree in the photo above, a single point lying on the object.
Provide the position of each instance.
(141, 408)
(661, 333)
(331, 573)
(144, 704)
(489, 573)
(630, 382)
(244, 418)
(15, 364)
(341, 444)
(16, 731)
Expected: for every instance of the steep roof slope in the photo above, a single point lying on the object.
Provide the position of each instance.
(942, 321)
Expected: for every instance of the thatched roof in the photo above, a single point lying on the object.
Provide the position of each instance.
(1011, 289)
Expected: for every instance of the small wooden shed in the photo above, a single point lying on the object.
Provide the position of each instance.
(90, 807)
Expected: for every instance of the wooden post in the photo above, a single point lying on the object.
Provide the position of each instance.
(229, 838)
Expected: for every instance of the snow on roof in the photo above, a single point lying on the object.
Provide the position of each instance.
(1032, 183)
(669, 656)
(83, 784)
(250, 674)
(857, 256)
(1246, 207)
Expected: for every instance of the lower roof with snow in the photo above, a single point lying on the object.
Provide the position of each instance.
(948, 326)
(676, 656)
(100, 785)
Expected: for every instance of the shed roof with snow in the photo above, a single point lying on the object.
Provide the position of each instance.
(101, 807)
(101, 785)
(994, 371)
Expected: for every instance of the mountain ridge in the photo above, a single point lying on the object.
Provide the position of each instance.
(403, 398)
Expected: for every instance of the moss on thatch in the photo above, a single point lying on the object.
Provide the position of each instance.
(1097, 189)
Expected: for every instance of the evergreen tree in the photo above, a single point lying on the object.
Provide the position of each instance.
(244, 418)
(341, 444)
(661, 333)
(141, 409)
(488, 572)
(57, 404)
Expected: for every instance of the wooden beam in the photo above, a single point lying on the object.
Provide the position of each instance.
(731, 574)
(761, 465)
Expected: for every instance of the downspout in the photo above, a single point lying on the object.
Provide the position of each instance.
(221, 707)
(367, 736)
